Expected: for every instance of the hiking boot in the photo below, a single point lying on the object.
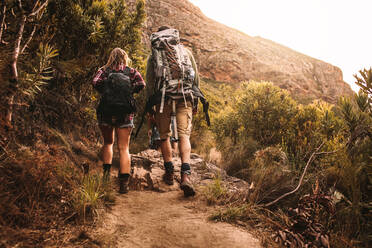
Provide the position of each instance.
(186, 186)
(123, 183)
(168, 177)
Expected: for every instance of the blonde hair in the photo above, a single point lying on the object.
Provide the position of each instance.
(117, 57)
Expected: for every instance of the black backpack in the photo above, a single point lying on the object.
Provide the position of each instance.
(117, 95)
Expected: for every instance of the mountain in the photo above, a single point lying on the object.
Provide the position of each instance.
(225, 54)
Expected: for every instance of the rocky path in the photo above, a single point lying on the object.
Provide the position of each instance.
(155, 215)
(155, 220)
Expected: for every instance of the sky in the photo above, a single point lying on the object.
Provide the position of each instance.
(335, 31)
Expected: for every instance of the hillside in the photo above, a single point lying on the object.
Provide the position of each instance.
(228, 55)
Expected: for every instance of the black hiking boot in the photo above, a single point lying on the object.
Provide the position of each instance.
(186, 186)
(123, 183)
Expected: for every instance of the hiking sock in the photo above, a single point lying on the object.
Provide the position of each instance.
(106, 170)
(169, 168)
(185, 169)
(124, 176)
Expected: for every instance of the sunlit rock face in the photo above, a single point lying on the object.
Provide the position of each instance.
(227, 55)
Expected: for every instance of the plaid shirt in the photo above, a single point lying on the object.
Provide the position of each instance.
(137, 81)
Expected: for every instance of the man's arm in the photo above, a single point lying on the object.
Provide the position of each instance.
(150, 77)
(194, 66)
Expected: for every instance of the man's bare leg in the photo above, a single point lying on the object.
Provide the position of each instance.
(166, 150)
(184, 149)
(185, 152)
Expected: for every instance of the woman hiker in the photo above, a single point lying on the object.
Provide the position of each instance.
(116, 83)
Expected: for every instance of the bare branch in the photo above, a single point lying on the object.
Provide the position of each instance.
(38, 9)
(20, 6)
(321, 153)
(300, 182)
(35, 5)
(28, 39)
(17, 46)
(2, 27)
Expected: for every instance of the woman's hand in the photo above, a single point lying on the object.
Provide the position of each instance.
(149, 133)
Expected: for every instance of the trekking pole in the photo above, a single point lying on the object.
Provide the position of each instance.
(173, 120)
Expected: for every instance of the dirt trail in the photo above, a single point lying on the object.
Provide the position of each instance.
(150, 219)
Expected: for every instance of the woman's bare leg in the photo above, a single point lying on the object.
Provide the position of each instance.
(108, 141)
(123, 135)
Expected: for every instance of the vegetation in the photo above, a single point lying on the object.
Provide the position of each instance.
(315, 156)
(49, 52)
(310, 166)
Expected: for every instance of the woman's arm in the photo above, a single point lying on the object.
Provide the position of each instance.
(98, 81)
(137, 81)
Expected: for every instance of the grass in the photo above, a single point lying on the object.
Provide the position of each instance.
(215, 191)
(252, 217)
(230, 213)
(93, 195)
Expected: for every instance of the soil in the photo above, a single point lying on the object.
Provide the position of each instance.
(150, 219)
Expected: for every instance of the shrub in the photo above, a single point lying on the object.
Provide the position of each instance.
(214, 191)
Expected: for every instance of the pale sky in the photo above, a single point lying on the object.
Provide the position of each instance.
(338, 32)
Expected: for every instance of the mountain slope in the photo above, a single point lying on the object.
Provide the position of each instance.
(227, 55)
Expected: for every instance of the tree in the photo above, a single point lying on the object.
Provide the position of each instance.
(19, 23)
(81, 33)
(365, 81)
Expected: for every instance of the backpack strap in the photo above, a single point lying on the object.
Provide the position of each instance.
(203, 100)
(151, 102)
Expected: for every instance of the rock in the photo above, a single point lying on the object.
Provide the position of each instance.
(148, 169)
(227, 55)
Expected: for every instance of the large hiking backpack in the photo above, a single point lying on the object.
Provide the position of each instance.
(172, 65)
(174, 74)
(117, 97)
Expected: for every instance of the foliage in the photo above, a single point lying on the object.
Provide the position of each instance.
(90, 197)
(31, 83)
(260, 111)
(364, 81)
(250, 122)
(270, 173)
(313, 124)
(19, 21)
(36, 195)
(354, 176)
(202, 138)
(214, 191)
(61, 48)
(263, 125)
(85, 32)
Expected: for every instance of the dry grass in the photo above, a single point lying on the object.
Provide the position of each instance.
(215, 192)
(40, 183)
(35, 198)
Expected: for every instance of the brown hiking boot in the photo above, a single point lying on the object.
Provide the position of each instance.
(168, 177)
(123, 183)
(186, 186)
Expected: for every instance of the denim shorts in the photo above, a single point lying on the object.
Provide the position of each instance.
(124, 121)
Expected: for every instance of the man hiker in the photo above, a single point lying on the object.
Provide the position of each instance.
(172, 77)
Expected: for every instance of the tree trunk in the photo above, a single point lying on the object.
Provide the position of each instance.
(2, 25)
(14, 72)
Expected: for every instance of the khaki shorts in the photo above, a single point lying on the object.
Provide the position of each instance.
(183, 117)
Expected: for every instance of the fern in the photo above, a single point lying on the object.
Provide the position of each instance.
(32, 82)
